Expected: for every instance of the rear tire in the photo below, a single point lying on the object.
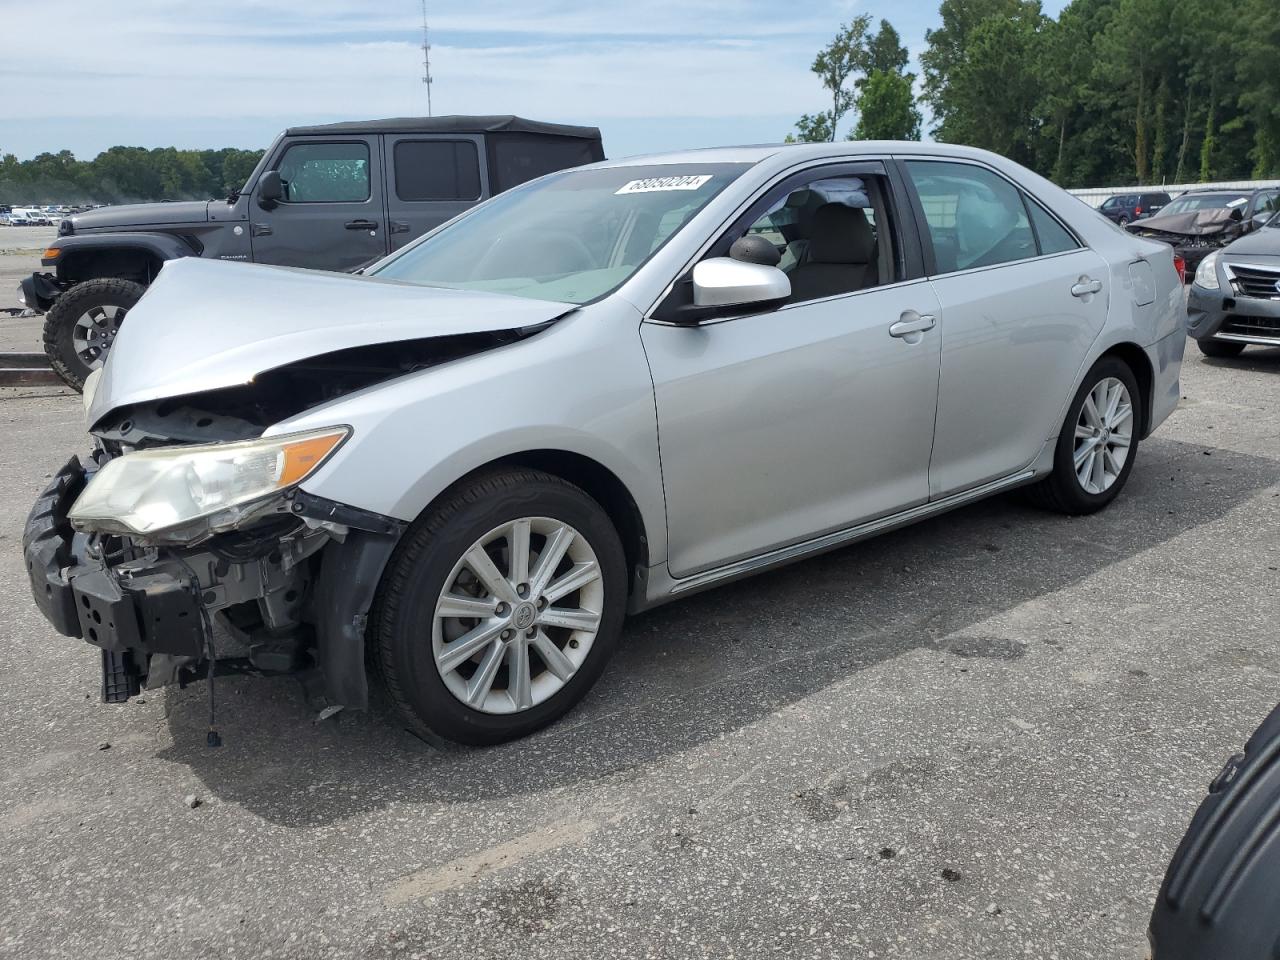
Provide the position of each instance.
(479, 651)
(1220, 349)
(82, 324)
(1085, 477)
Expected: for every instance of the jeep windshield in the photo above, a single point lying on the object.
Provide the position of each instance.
(571, 237)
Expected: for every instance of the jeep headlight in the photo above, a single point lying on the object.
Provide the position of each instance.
(1207, 272)
(149, 492)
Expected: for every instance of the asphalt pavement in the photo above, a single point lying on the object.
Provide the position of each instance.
(978, 737)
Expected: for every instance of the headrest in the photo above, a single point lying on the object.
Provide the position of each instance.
(840, 234)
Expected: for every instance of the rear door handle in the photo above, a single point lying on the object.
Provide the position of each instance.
(362, 224)
(398, 226)
(911, 322)
(1085, 286)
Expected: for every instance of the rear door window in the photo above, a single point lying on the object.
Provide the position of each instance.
(975, 217)
(436, 170)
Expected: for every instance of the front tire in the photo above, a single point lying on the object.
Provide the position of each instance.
(500, 608)
(1220, 349)
(82, 324)
(1098, 443)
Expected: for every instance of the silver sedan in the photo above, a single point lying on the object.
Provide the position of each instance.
(598, 392)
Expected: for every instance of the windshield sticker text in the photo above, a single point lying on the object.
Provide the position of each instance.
(657, 184)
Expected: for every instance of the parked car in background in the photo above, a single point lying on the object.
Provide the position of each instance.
(1201, 221)
(475, 459)
(331, 197)
(1234, 299)
(24, 217)
(1126, 207)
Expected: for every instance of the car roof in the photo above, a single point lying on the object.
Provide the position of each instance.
(495, 123)
(800, 152)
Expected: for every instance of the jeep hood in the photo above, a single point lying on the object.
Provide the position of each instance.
(208, 324)
(131, 215)
(1193, 223)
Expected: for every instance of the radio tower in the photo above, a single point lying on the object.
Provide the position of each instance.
(426, 56)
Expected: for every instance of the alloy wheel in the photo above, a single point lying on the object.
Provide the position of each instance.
(518, 615)
(94, 333)
(1104, 434)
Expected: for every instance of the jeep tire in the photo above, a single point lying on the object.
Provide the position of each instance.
(82, 324)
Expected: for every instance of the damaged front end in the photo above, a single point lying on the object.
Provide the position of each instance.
(194, 505)
(1194, 234)
(290, 580)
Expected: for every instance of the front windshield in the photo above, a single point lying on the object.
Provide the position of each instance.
(1205, 201)
(570, 237)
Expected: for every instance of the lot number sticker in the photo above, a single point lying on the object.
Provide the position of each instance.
(659, 184)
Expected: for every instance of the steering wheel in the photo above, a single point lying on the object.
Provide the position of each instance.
(570, 242)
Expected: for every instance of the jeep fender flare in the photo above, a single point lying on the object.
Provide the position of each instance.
(77, 253)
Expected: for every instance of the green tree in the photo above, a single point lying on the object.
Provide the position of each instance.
(887, 108)
(885, 51)
(836, 64)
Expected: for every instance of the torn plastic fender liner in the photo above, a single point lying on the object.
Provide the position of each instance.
(349, 575)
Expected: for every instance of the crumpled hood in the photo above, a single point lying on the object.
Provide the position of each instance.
(131, 215)
(1193, 223)
(208, 324)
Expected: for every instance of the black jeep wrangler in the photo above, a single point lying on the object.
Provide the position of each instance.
(331, 197)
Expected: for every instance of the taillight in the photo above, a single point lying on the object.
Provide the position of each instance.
(1137, 211)
(1180, 264)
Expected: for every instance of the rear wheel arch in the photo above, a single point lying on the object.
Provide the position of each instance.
(1136, 359)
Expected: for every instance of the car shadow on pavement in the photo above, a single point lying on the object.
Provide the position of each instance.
(1252, 359)
(690, 671)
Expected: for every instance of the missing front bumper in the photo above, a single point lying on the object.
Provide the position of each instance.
(295, 594)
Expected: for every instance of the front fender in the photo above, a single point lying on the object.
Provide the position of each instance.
(161, 246)
(581, 387)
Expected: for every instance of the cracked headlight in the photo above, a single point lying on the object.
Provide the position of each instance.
(1207, 272)
(149, 492)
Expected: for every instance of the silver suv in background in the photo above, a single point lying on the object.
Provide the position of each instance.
(598, 392)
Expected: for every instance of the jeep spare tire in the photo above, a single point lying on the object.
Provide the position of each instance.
(82, 324)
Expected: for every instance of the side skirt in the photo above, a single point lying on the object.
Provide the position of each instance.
(662, 587)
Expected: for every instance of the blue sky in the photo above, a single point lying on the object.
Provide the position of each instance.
(653, 75)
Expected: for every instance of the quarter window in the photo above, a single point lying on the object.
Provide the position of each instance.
(975, 218)
(325, 173)
(1053, 237)
(437, 170)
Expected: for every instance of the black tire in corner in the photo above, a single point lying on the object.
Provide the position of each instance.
(1222, 349)
(60, 322)
(1061, 491)
(403, 611)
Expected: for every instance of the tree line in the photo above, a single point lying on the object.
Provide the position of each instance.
(1109, 92)
(125, 174)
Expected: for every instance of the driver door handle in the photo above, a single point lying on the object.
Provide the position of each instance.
(1085, 287)
(362, 224)
(911, 322)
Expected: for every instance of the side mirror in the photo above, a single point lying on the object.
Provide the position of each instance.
(724, 282)
(270, 189)
(1260, 220)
